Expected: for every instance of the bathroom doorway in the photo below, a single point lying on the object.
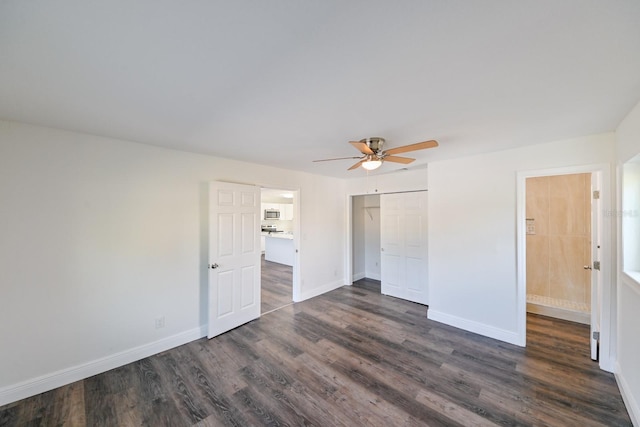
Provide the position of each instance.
(558, 239)
(564, 250)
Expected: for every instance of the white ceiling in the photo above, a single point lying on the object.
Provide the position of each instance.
(276, 196)
(284, 82)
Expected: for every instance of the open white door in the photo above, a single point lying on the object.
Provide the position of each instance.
(403, 241)
(234, 250)
(596, 273)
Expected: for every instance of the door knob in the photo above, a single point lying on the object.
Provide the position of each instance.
(214, 266)
(587, 267)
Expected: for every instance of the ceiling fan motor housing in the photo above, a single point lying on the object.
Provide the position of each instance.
(375, 143)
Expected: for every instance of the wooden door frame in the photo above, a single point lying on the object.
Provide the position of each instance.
(607, 302)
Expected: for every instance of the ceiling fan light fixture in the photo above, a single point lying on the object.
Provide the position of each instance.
(373, 155)
(371, 164)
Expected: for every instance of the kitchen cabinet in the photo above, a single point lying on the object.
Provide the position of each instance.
(286, 211)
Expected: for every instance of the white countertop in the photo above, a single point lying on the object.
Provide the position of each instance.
(287, 236)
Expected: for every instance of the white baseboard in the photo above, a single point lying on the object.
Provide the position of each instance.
(475, 327)
(66, 376)
(358, 276)
(606, 363)
(374, 276)
(319, 291)
(559, 313)
(632, 405)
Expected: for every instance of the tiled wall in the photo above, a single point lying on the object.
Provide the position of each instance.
(558, 245)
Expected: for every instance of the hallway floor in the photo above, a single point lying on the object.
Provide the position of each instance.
(277, 286)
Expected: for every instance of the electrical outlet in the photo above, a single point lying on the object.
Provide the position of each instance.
(531, 226)
(160, 322)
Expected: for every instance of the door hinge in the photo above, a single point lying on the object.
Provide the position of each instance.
(596, 335)
(596, 194)
(596, 265)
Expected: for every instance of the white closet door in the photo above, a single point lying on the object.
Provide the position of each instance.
(403, 241)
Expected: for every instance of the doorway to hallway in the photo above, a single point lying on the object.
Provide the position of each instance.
(279, 245)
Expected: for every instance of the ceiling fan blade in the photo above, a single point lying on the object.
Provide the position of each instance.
(398, 159)
(413, 147)
(357, 165)
(362, 147)
(337, 158)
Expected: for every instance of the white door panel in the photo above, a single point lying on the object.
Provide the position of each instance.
(403, 241)
(225, 235)
(248, 233)
(247, 297)
(234, 250)
(225, 293)
(414, 274)
(414, 239)
(224, 197)
(391, 274)
(391, 230)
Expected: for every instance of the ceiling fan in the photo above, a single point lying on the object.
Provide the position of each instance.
(373, 155)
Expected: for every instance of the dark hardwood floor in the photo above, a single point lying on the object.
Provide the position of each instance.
(351, 357)
(277, 286)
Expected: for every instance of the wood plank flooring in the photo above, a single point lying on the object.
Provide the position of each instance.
(277, 284)
(351, 357)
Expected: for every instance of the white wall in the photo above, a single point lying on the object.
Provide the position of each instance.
(371, 212)
(629, 216)
(365, 229)
(472, 226)
(383, 182)
(358, 254)
(628, 136)
(101, 236)
(628, 343)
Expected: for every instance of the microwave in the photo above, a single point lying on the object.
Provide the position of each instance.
(271, 214)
